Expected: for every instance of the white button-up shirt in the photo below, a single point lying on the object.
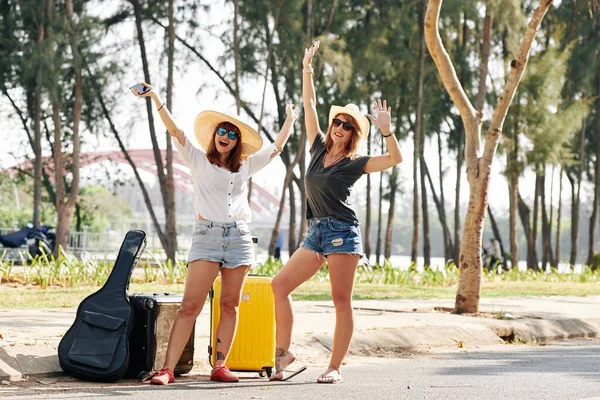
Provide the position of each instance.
(221, 195)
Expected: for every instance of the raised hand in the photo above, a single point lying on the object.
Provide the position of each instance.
(310, 53)
(148, 93)
(383, 116)
(291, 112)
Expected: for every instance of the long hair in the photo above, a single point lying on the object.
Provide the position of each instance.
(352, 145)
(234, 160)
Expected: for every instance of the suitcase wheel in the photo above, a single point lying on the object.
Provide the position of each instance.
(149, 304)
(266, 371)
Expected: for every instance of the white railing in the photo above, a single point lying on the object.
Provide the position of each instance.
(110, 241)
(101, 243)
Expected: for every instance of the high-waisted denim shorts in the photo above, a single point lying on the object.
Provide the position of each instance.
(332, 236)
(228, 243)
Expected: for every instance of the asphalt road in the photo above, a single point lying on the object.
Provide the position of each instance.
(567, 370)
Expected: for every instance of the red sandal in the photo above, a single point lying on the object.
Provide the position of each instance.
(163, 377)
(222, 373)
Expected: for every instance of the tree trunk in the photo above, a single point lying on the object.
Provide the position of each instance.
(448, 247)
(169, 200)
(460, 55)
(286, 183)
(309, 37)
(440, 207)
(524, 214)
(542, 205)
(576, 199)
(513, 187)
(379, 222)
(367, 231)
(551, 218)
(513, 171)
(459, 162)
(277, 226)
(302, 190)
(496, 231)
(37, 152)
(65, 209)
(69, 207)
(478, 166)
(37, 131)
(160, 169)
(594, 216)
(390, 221)
(547, 256)
(420, 137)
(292, 241)
(61, 229)
(424, 206)
(415, 235)
(558, 215)
(533, 262)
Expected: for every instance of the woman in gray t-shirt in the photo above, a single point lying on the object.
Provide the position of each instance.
(333, 231)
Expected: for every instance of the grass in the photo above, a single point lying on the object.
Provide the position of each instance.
(64, 282)
(19, 296)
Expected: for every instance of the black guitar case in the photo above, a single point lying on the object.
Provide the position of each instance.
(96, 347)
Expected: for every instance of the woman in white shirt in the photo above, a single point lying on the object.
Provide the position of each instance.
(221, 241)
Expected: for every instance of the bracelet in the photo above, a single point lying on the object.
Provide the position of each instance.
(308, 69)
(163, 104)
(388, 135)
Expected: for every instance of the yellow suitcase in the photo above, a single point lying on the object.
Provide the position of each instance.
(253, 347)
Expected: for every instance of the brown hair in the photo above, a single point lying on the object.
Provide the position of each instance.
(352, 145)
(234, 160)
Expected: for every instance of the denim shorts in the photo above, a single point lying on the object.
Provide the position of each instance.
(228, 243)
(332, 236)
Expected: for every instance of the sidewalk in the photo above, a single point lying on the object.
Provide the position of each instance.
(30, 337)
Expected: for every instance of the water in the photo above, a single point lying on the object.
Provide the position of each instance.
(403, 262)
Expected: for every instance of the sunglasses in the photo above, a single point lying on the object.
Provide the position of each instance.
(222, 131)
(347, 126)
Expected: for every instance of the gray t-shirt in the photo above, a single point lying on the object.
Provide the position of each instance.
(328, 189)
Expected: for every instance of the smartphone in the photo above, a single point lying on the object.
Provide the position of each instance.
(141, 89)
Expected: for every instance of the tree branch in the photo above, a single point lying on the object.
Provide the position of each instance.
(444, 64)
(517, 68)
(485, 56)
(22, 117)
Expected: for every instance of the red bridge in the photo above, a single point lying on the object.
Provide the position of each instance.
(144, 161)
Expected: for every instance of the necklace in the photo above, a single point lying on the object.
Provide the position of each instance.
(335, 161)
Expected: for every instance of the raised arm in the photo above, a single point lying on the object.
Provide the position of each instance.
(164, 113)
(287, 128)
(382, 121)
(308, 94)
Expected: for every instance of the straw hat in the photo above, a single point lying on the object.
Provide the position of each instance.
(352, 110)
(206, 124)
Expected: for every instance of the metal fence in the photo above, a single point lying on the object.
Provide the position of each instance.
(110, 242)
(101, 243)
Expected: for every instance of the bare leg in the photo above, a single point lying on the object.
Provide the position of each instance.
(342, 269)
(231, 292)
(200, 277)
(300, 268)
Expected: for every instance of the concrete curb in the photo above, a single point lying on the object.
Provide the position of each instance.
(39, 358)
(545, 330)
